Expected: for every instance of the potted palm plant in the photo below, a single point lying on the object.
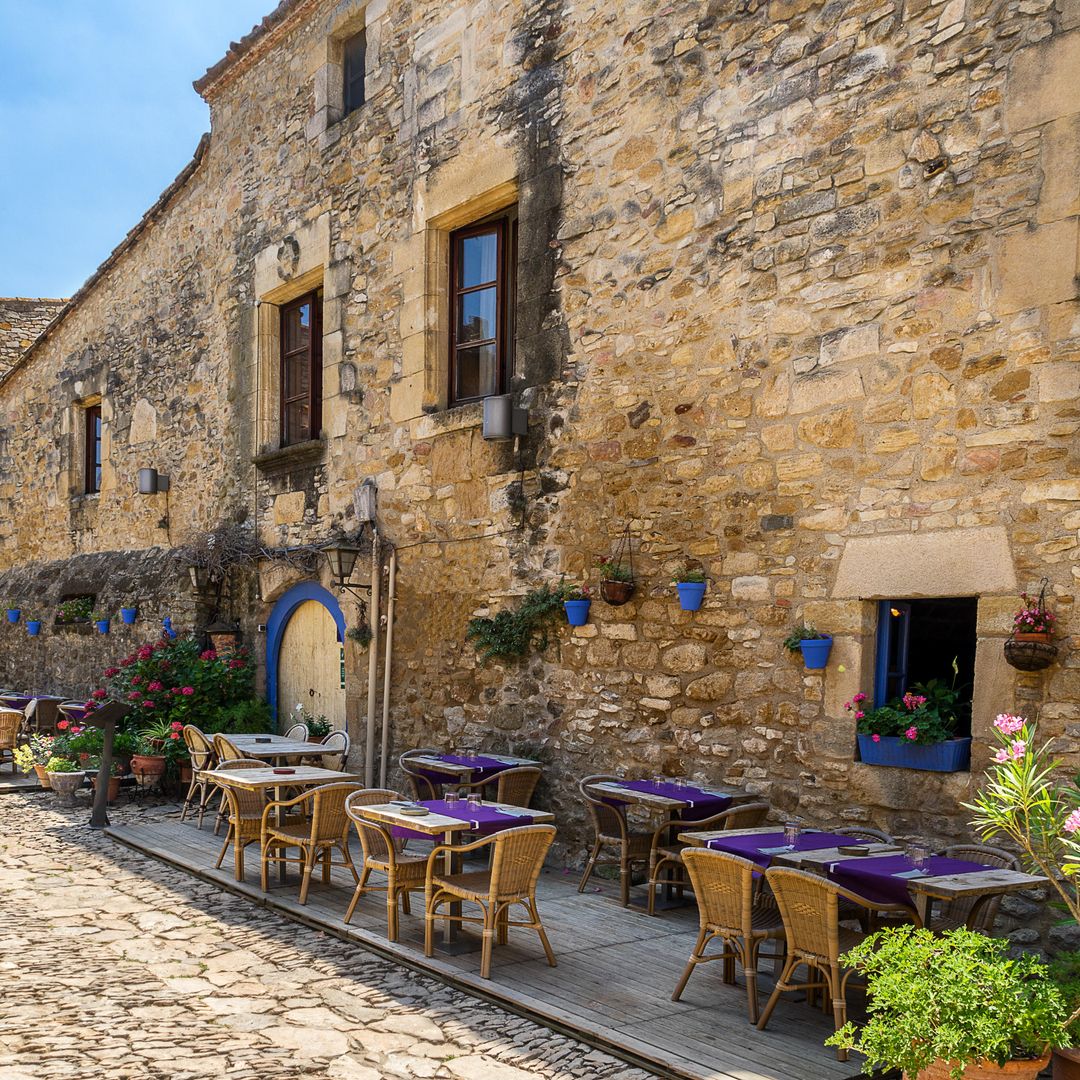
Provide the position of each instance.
(815, 646)
(953, 1006)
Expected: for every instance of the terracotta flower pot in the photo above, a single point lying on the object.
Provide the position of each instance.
(114, 787)
(42, 775)
(616, 593)
(987, 1070)
(185, 774)
(147, 766)
(1067, 1064)
(1037, 635)
(315, 739)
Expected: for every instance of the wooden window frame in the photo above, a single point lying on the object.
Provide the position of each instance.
(505, 225)
(353, 94)
(92, 449)
(314, 359)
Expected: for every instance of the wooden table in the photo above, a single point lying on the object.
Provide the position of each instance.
(302, 776)
(981, 886)
(456, 771)
(662, 804)
(441, 826)
(278, 748)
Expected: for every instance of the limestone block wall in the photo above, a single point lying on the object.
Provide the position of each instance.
(22, 320)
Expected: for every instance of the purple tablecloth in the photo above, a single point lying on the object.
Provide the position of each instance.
(699, 803)
(482, 819)
(483, 768)
(17, 701)
(876, 878)
(756, 847)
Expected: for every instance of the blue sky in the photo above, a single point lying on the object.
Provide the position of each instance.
(97, 115)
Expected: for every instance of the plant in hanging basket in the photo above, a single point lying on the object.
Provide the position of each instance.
(616, 582)
(1033, 622)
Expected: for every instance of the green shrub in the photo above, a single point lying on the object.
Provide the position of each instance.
(512, 634)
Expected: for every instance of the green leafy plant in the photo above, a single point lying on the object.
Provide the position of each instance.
(102, 616)
(360, 634)
(690, 575)
(1065, 972)
(62, 765)
(614, 570)
(956, 998)
(803, 632)
(514, 633)
(318, 726)
(24, 759)
(576, 592)
(242, 717)
(77, 609)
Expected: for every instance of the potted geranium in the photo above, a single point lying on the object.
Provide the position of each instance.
(954, 1006)
(915, 731)
(576, 602)
(616, 582)
(815, 646)
(65, 777)
(35, 755)
(690, 584)
(1033, 802)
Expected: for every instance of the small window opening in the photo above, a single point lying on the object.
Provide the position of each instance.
(920, 641)
(354, 61)
(92, 423)
(301, 369)
(75, 608)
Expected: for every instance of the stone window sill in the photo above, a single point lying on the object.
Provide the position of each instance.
(454, 418)
(290, 457)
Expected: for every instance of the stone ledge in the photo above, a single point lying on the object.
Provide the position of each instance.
(288, 457)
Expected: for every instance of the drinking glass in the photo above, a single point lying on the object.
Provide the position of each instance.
(919, 854)
(657, 780)
(473, 798)
(452, 797)
(681, 782)
(792, 827)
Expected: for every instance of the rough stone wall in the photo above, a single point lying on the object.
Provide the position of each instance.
(21, 322)
(798, 301)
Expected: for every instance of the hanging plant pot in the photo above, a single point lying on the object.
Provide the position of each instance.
(33, 627)
(616, 593)
(13, 614)
(1040, 635)
(102, 625)
(1029, 655)
(691, 594)
(816, 651)
(577, 611)
(128, 614)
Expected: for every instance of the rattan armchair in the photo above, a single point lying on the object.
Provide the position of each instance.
(226, 750)
(980, 912)
(863, 832)
(666, 851)
(243, 811)
(383, 852)
(317, 837)
(201, 752)
(341, 742)
(10, 722)
(516, 860)
(731, 908)
(810, 907)
(298, 732)
(514, 786)
(612, 829)
(423, 787)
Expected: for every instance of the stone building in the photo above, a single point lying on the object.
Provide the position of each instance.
(789, 290)
(22, 321)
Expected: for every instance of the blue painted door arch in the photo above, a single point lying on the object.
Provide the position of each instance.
(284, 609)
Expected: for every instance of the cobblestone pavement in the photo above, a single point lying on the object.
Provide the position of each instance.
(113, 965)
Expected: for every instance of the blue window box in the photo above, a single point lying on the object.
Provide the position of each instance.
(952, 755)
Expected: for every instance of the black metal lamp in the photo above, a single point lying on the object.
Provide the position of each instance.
(342, 556)
(200, 578)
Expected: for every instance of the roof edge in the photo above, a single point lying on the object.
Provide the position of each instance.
(155, 211)
(241, 54)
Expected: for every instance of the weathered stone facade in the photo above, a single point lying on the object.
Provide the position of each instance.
(22, 320)
(797, 300)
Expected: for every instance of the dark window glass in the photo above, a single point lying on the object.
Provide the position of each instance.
(92, 421)
(301, 370)
(355, 65)
(483, 261)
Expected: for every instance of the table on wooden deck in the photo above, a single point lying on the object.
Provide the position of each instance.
(612, 988)
(980, 886)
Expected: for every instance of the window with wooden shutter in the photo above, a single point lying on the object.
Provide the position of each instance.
(301, 370)
(354, 63)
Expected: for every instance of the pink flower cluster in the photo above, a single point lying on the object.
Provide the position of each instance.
(1008, 724)
(1072, 822)
(1014, 752)
(1033, 618)
(913, 701)
(912, 733)
(858, 699)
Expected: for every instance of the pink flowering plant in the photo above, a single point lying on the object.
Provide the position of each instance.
(1033, 618)
(926, 713)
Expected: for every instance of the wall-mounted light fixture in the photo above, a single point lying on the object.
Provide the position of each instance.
(151, 482)
(503, 419)
(200, 578)
(341, 556)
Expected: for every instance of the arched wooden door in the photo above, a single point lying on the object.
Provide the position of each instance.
(309, 666)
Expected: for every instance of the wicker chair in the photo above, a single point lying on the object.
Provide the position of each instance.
(422, 786)
(516, 860)
(974, 913)
(341, 741)
(298, 732)
(514, 786)
(864, 832)
(665, 851)
(612, 830)
(810, 907)
(731, 908)
(243, 811)
(201, 752)
(10, 723)
(384, 853)
(317, 837)
(226, 750)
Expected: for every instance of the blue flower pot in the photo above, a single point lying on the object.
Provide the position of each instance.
(13, 614)
(102, 625)
(33, 627)
(952, 755)
(127, 614)
(691, 593)
(577, 611)
(815, 652)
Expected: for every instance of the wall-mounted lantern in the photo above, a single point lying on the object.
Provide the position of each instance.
(151, 482)
(503, 419)
(341, 555)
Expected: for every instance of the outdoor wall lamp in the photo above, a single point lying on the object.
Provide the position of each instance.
(151, 482)
(200, 578)
(342, 556)
(503, 419)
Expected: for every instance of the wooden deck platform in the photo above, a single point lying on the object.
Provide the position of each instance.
(11, 784)
(611, 989)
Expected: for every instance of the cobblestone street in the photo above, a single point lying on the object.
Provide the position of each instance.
(116, 966)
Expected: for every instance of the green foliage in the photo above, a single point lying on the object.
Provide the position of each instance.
(512, 634)
(1065, 972)
(248, 717)
(613, 570)
(360, 634)
(956, 998)
(318, 726)
(76, 609)
(90, 740)
(690, 575)
(803, 632)
(62, 765)
(24, 759)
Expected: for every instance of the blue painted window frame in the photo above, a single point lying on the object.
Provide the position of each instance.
(892, 635)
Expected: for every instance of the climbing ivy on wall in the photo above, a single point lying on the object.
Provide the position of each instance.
(514, 633)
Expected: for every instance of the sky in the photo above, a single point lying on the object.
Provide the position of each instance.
(97, 116)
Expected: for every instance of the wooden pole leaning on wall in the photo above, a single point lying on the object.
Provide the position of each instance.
(391, 598)
(373, 660)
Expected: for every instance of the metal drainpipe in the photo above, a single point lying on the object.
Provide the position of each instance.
(373, 661)
(390, 598)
